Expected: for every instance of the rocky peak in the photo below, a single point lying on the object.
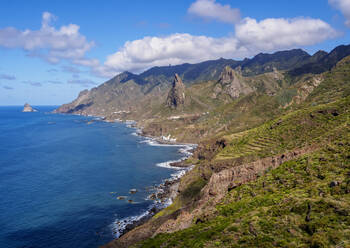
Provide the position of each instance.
(28, 108)
(227, 75)
(83, 93)
(231, 83)
(176, 94)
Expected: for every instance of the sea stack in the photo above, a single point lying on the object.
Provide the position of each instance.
(176, 96)
(28, 108)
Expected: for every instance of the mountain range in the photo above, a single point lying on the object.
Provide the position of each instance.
(272, 164)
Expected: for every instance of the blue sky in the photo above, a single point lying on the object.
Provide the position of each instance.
(51, 50)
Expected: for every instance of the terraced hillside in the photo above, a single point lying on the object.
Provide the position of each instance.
(283, 183)
(303, 201)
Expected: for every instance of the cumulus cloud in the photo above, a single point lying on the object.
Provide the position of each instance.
(173, 49)
(48, 42)
(279, 33)
(7, 77)
(251, 37)
(82, 82)
(209, 9)
(344, 7)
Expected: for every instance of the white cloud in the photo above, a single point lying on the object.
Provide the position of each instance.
(211, 10)
(251, 38)
(173, 49)
(344, 7)
(279, 33)
(48, 42)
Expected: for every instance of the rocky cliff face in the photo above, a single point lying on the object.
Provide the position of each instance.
(231, 83)
(78, 104)
(176, 96)
(28, 108)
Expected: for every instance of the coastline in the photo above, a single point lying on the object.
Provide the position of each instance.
(162, 194)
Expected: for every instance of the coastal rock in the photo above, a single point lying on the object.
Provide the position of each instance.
(133, 191)
(176, 96)
(28, 108)
(231, 83)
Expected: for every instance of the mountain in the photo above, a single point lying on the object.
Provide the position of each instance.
(276, 175)
(271, 166)
(321, 61)
(127, 91)
(284, 60)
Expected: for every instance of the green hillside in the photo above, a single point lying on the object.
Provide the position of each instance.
(304, 202)
(283, 183)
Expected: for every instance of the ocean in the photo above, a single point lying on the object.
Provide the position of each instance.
(60, 176)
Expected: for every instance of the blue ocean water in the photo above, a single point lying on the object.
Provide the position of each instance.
(58, 172)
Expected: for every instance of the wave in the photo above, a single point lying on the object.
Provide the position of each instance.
(120, 226)
(167, 164)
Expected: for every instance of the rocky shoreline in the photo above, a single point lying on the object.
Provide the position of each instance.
(163, 197)
(164, 193)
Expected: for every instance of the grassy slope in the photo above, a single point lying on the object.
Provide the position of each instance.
(273, 211)
(296, 204)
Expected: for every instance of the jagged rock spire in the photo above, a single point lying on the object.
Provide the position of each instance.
(232, 83)
(176, 96)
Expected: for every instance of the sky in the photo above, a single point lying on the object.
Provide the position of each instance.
(51, 50)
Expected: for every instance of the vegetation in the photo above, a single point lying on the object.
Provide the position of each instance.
(272, 168)
(304, 202)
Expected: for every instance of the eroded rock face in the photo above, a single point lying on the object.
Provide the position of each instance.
(77, 105)
(231, 83)
(222, 182)
(28, 108)
(176, 96)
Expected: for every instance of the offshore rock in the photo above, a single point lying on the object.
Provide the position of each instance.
(28, 108)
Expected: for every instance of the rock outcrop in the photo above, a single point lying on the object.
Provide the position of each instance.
(231, 83)
(176, 96)
(28, 108)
